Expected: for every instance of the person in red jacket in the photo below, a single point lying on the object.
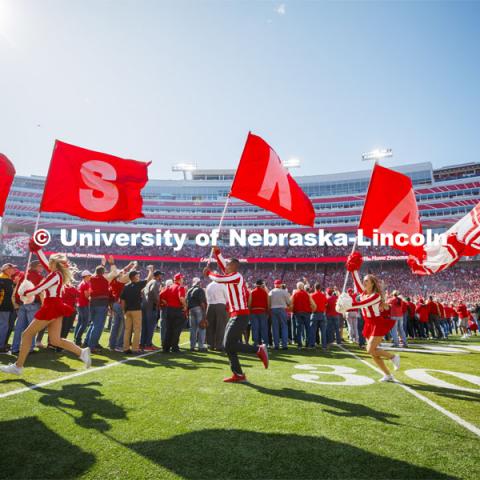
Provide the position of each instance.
(423, 313)
(472, 324)
(410, 313)
(83, 307)
(463, 318)
(396, 314)
(453, 316)
(258, 303)
(302, 307)
(333, 318)
(99, 300)
(443, 320)
(434, 319)
(70, 297)
(318, 318)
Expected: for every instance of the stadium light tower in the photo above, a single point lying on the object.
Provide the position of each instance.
(185, 168)
(291, 163)
(377, 154)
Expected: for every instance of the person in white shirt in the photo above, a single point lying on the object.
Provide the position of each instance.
(217, 316)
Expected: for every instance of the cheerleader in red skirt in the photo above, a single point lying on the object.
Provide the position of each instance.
(375, 313)
(52, 311)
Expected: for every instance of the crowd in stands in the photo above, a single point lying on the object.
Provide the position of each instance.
(16, 245)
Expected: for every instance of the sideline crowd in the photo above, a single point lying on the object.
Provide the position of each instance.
(301, 313)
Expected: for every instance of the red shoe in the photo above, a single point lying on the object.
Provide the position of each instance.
(153, 348)
(235, 379)
(262, 354)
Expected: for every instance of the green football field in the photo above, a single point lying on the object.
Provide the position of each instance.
(308, 416)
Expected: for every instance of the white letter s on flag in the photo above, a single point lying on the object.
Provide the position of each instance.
(95, 173)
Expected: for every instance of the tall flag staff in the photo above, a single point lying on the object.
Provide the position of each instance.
(375, 155)
(263, 180)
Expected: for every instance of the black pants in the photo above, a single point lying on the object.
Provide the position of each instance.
(434, 326)
(174, 323)
(232, 342)
(11, 325)
(67, 323)
(217, 321)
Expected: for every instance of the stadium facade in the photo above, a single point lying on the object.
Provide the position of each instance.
(195, 205)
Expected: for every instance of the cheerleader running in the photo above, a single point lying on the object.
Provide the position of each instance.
(374, 312)
(52, 311)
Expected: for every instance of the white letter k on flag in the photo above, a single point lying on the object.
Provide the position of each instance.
(276, 175)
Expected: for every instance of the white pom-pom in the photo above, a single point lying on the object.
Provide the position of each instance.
(344, 303)
(26, 285)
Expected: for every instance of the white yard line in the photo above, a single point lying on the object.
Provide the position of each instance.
(76, 374)
(469, 426)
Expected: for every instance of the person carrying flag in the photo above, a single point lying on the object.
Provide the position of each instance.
(239, 314)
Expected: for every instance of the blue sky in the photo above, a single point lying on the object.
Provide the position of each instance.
(184, 81)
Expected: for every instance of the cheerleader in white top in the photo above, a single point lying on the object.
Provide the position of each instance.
(375, 312)
(52, 311)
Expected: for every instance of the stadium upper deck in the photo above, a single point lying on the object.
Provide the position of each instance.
(195, 204)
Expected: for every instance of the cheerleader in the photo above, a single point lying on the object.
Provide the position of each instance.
(52, 311)
(375, 314)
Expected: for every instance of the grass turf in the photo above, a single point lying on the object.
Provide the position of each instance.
(172, 417)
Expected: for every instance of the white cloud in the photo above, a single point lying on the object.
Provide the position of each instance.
(281, 9)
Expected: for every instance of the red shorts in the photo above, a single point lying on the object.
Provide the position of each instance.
(53, 308)
(377, 327)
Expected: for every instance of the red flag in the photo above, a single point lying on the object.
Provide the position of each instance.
(391, 207)
(7, 172)
(262, 180)
(94, 185)
(460, 240)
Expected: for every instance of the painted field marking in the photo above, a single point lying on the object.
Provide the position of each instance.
(458, 349)
(423, 375)
(76, 374)
(460, 421)
(348, 374)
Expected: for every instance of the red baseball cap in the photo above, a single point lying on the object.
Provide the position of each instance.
(277, 282)
(178, 276)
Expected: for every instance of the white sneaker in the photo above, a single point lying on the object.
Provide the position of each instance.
(396, 362)
(85, 357)
(387, 378)
(12, 369)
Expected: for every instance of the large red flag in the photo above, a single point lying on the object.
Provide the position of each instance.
(262, 180)
(7, 173)
(460, 240)
(391, 207)
(94, 185)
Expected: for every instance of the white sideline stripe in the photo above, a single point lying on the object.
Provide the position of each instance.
(452, 416)
(77, 374)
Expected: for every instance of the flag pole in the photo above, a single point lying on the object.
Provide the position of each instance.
(227, 201)
(376, 156)
(35, 228)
